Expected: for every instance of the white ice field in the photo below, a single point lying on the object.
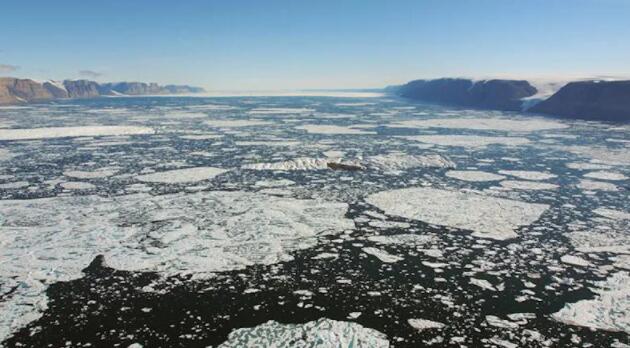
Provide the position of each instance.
(379, 222)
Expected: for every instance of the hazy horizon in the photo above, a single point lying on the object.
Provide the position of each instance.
(283, 45)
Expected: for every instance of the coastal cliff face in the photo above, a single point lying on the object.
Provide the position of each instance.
(590, 100)
(82, 88)
(57, 90)
(14, 90)
(17, 91)
(141, 88)
(489, 94)
(133, 88)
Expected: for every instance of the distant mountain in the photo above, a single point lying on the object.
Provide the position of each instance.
(591, 100)
(82, 89)
(486, 94)
(16, 91)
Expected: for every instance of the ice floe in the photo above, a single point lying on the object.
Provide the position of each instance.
(488, 217)
(14, 185)
(179, 176)
(279, 111)
(473, 175)
(503, 124)
(424, 324)
(303, 163)
(332, 129)
(92, 174)
(473, 141)
(612, 214)
(405, 239)
(495, 321)
(528, 174)
(5, 155)
(236, 123)
(388, 162)
(274, 183)
(528, 185)
(587, 166)
(201, 136)
(77, 185)
(607, 311)
(482, 283)
(575, 260)
(603, 175)
(68, 132)
(592, 185)
(382, 255)
(400, 161)
(323, 333)
(600, 154)
(53, 239)
(267, 143)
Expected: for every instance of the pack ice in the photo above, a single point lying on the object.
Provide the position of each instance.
(53, 239)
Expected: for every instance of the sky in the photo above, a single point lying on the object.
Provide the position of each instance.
(301, 44)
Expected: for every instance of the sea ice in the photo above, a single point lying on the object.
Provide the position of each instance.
(405, 239)
(495, 321)
(575, 260)
(424, 324)
(14, 185)
(503, 124)
(389, 162)
(601, 154)
(52, 239)
(612, 214)
(528, 185)
(399, 161)
(179, 176)
(267, 143)
(323, 333)
(279, 111)
(587, 166)
(482, 283)
(473, 175)
(488, 217)
(68, 132)
(236, 123)
(77, 185)
(382, 255)
(302, 163)
(528, 174)
(5, 155)
(473, 141)
(606, 176)
(331, 129)
(592, 185)
(608, 311)
(201, 136)
(92, 174)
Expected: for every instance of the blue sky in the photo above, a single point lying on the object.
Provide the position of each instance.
(263, 45)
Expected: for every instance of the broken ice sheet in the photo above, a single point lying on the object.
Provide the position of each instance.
(53, 239)
(607, 311)
(323, 333)
(488, 217)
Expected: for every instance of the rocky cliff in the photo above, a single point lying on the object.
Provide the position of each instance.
(141, 88)
(16, 91)
(82, 88)
(487, 94)
(591, 100)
